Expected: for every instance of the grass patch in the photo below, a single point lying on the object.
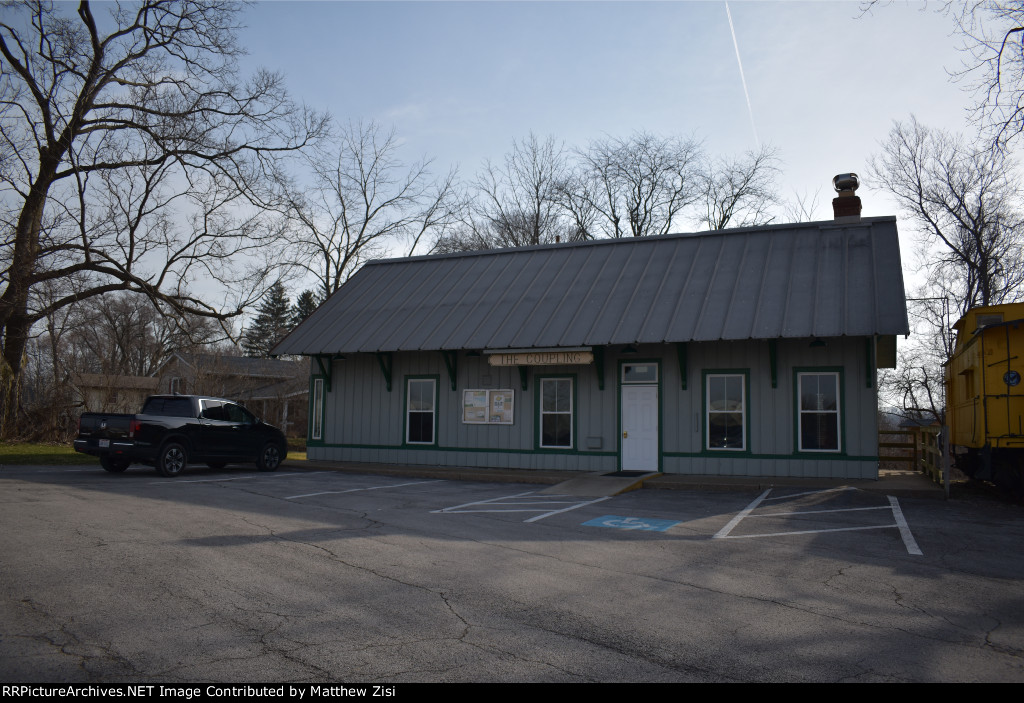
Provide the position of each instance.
(16, 453)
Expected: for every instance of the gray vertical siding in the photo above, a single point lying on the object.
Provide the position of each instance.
(365, 422)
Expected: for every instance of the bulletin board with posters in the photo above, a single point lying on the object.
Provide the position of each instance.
(488, 407)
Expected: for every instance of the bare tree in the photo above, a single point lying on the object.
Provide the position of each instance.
(519, 203)
(739, 191)
(361, 201)
(639, 186)
(124, 334)
(802, 207)
(993, 67)
(963, 198)
(101, 122)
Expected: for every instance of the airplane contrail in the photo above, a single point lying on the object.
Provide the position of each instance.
(743, 79)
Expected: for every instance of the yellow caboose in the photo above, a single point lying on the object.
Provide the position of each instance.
(984, 394)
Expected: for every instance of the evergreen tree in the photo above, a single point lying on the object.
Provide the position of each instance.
(305, 304)
(272, 322)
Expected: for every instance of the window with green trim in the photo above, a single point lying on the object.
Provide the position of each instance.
(726, 412)
(317, 425)
(420, 410)
(818, 424)
(556, 413)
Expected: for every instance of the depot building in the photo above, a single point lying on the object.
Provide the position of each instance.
(747, 352)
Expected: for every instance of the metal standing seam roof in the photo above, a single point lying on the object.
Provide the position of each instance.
(817, 279)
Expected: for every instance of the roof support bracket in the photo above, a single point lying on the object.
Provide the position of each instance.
(681, 358)
(451, 359)
(599, 366)
(386, 361)
(325, 371)
(773, 361)
(522, 377)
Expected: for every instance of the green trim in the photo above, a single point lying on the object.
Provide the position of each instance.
(436, 378)
(539, 421)
(661, 405)
(797, 370)
(599, 366)
(819, 456)
(747, 422)
(773, 361)
(387, 363)
(522, 377)
(682, 359)
(313, 378)
(485, 450)
(451, 361)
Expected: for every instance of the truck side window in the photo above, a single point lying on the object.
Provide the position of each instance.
(236, 413)
(213, 410)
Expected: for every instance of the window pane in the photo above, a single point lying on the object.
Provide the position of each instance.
(557, 431)
(725, 431)
(639, 373)
(421, 427)
(421, 395)
(819, 431)
(819, 392)
(548, 396)
(563, 401)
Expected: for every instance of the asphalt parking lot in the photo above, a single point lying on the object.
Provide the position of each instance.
(314, 575)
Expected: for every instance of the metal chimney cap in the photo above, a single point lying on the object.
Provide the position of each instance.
(846, 181)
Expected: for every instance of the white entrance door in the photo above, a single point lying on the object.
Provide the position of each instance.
(639, 428)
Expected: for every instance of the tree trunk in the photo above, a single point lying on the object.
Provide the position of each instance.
(15, 341)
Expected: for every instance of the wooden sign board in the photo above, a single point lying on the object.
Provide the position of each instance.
(541, 358)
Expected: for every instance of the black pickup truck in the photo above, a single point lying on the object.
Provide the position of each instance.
(173, 430)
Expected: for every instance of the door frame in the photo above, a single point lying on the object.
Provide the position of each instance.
(657, 385)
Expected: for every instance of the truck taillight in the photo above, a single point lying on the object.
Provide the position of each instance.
(133, 427)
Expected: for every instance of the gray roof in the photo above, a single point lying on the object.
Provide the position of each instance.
(818, 279)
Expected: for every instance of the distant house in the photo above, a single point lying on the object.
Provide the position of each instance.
(113, 394)
(747, 351)
(274, 389)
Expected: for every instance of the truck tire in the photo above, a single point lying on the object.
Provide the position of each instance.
(270, 457)
(114, 466)
(172, 459)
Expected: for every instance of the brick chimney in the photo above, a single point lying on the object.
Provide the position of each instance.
(846, 205)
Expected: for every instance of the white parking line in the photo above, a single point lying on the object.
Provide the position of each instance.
(724, 532)
(546, 501)
(565, 510)
(368, 488)
(456, 508)
(900, 522)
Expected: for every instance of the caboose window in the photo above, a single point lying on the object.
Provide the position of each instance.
(818, 424)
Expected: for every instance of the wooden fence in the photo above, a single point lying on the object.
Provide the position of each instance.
(916, 448)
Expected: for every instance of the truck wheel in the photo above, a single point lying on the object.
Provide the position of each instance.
(172, 460)
(269, 458)
(114, 466)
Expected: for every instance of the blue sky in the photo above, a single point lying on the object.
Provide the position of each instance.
(460, 80)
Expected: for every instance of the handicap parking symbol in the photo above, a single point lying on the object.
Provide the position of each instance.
(632, 523)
